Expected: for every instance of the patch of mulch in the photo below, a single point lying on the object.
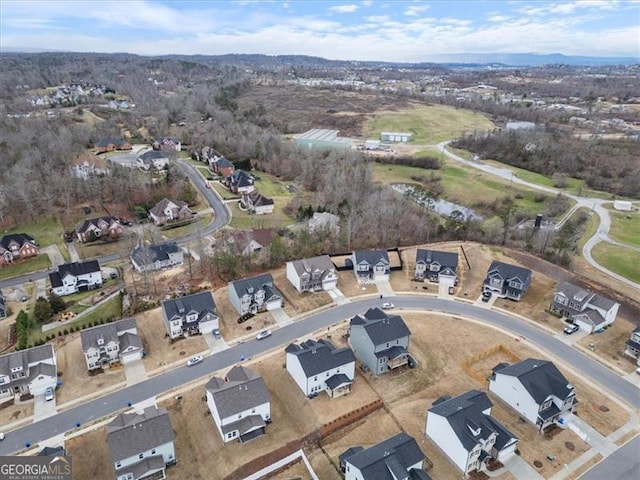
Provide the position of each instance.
(603, 408)
(570, 446)
(537, 463)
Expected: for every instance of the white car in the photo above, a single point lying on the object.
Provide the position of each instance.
(263, 334)
(387, 306)
(48, 394)
(571, 329)
(194, 360)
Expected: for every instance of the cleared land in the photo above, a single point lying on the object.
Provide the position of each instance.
(621, 260)
(625, 227)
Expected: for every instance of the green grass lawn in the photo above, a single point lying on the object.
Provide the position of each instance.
(97, 248)
(590, 227)
(270, 186)
(222, 191)
(429, 124)
(625, 227)
(41, 262)
(205, 172)
(621, 260)
(201, 222)
(277, 219)
(46, 231)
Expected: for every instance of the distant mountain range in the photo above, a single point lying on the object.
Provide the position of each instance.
(456, 59)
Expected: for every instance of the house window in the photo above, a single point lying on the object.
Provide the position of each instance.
(315, 379)
(546, 404)
(141, 456)
(118, 464)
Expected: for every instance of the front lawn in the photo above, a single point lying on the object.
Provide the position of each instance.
(200, 222)
(45, 231)
(621, 260)
(244, 220)
(41, 262)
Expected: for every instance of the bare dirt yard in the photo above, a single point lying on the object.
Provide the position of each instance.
(90, 453)
(296, 303)
(610, 344)
(17, 411)
(229, 326)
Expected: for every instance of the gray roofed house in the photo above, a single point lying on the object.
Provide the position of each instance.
(240, 182)
(632, 346)
(589, 310)
(536, 389)
(17, 246)
(98, 227)
(312, 274)
(380, 341)
(433, 265)
(152, 158)
(29, 371)
(257, 203)
(240, 404)
(112, 343)
(463, 428)
(76, 277)
(169, 211)
(141, 444)
(190, 315)
(318, 365)
(157, 256)
(254, 294)
(507, 280)
(396, 458)
(371, 265)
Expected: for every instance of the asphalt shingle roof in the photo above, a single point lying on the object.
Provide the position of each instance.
(242, 390)
(95, 221)
(154, 253)
(372, 257)
(381, 327)
(108, 332)
(201, 302)
(252, 284)
(19, 238)
(321, 263)
(508, 271)
(445, 259)
(540, 378)
(319, 356)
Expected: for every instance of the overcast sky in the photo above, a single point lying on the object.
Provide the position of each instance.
(409, 31)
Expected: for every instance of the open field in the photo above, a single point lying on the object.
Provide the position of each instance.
(621, 260)
(625, 227)
(28, 265)
(429, 124)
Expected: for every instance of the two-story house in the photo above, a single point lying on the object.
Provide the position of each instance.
(380, 341)
(141, 444)
(312, 274)
(318, 366)
(100, 227)
(29, 371)
(371, 265)
(155, 159)
(586, 309)
(535, 389)
(157, 256)
(396, 458)
(88, 165)
(111, 344)
(257, 203)
(110, 144)
(248, 242)
(255, 294)
(240, 404)
(76, 277)
(221, 166)
(463, 428)
(167, 143)
(169, 211)
(506, 280)
(17, 246)
(240, 182)
(433, 265)
(190, 315)
(632, 346)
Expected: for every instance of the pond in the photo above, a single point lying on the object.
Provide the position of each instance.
(441, 207)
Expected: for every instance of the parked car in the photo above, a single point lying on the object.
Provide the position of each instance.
(216, 334)
(387, 306)
(207, 185)
(452, 290)
(573, 328)
(48, 394)
(486, 296)
(1, 436)
(263, 334)
(194, 360)
(638, 371)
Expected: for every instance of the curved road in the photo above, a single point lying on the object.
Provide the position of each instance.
(595, 204)
(113, 402)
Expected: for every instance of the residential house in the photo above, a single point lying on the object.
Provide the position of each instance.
(240, 182)
(535, 389)
(152, 158)
(248, 242)
(380, 341)
(88, 165)
(396, 458)
(110, 144)
(463, 428)
(111, 344)
(312, 274)
(257, 203)
(166, 211)
(318, 366)
(240, 404)
(141, 444)
(3, 307)
(221, 166)
(324, 221)
(76, 277)
(17, 246)
(588, 310)
(506, 280)
(190, 315)
(632, 346)
(156, 257)
(100, 227)
(255, 294)
(371, 265)
(436, 266)
(167, 143)
(29, 371)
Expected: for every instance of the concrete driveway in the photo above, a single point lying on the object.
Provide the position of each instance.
(281, 317)
(43, 409)
(573, 338)
(134, 372)
(338, 297)
(215, 344)
(384, 289)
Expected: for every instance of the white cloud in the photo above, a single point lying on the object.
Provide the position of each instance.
(377, 18)
(349, 8)
(415, 10)
(367, 3)
(498, 18)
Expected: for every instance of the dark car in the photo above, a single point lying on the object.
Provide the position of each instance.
(486, 296)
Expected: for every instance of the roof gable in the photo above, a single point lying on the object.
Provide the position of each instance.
(320, 356)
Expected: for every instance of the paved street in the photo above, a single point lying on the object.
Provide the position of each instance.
(623, 464)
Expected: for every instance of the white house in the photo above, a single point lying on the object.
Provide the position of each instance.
(535, 389)
(588, 310)
(157, 256)
(29, 371)
(112, 343)
(141, 444)
(312, 274)
(76, 277)
(190, 315)
(255, 294)
(371, 265)
(396, 458)
(240, 404)
(462, 427)
(318, 366)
